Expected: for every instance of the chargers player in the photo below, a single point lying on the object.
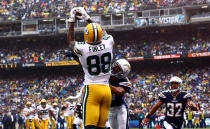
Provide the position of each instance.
(119, 83)
(95, 55)
(175, 103)
(29, 116)
(44, 113)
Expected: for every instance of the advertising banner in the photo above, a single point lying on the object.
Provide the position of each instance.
(135, 58)
(164, 20)
(199, 54)
(171, 56)
(61, 63)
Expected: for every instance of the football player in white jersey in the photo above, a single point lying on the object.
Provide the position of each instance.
(36, 118)
(55, 110)
(68, 110)
(29, 116)
(44, 112)
(95, 54)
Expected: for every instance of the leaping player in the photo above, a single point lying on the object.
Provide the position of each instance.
(95, 54)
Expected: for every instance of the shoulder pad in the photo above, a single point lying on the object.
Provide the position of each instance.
(106, 37)
(187, 95)
(162, 95)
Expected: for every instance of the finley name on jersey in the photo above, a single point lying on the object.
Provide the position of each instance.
(96, 48)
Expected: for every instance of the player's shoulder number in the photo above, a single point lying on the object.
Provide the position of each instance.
(80, 43)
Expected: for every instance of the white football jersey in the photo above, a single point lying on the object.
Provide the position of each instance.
(44, 111)
(28, 110)
(55, 112)
(197, 114)
(96, 60)
(69, 111)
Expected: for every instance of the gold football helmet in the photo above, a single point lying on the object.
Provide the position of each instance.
(55, 104)
(93, 33)
(28, 104)
(43, 101)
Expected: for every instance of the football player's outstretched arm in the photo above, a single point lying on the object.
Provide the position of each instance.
(153, 110)
(71, 36)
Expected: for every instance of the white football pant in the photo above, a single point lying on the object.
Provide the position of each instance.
(118, 117)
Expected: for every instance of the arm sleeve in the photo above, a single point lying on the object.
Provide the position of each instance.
(109, 38)
(126, 85)
(187, 96)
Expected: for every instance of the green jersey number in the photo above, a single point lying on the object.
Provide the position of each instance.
(95, 68)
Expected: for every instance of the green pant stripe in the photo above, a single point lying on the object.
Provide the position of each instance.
(85, 97)
(83, 104)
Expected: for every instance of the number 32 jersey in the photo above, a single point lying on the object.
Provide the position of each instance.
(96, 60)
(175, 107)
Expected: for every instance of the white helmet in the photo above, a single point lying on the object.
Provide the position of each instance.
(121, 68)
(177, 80)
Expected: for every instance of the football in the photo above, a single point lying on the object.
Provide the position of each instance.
(78, 15)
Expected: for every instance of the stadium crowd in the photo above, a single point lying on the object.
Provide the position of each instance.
(124, 48)
(15, 92)
(30, 9)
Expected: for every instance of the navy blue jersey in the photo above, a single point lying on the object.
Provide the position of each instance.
(117, 100)
(175, 107)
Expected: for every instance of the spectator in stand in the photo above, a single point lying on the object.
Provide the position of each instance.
(140, 118)
(7, 121)
(21, 9)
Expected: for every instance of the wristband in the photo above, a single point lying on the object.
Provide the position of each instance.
(148, 116)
